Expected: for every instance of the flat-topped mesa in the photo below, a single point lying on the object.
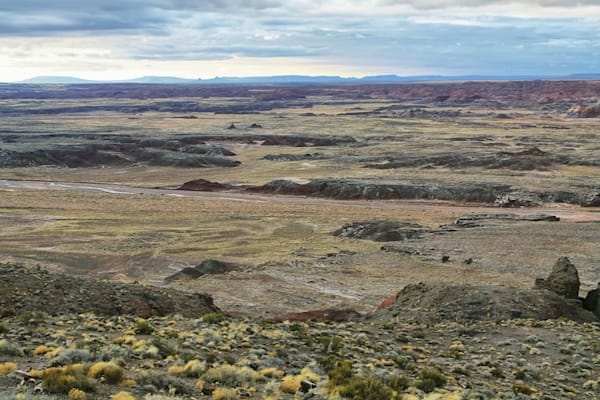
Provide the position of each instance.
(563, 280)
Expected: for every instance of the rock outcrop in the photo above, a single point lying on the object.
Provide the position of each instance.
(551, 298)
(203, 185)
(381, 231)
(453, 302)
(205, 267)
(581, 111)
(471, 220)
(353, 189)
(563, 280)
(35, 289)
(592, 301)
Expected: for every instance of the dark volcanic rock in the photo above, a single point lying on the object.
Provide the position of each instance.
(518, 199)
(591, 200)
(203, 185)
(34, 289)
(211, 149)
(529, 159)
(554, 297)
(294, 157)
(188, 273)
(274, 140)
(71, 157)
(303, 141)
(354, 189)
(563, 280)
(381, 231)
(214, 267)
(472, 219)
(173, 159)
(391, 248)
(205, 267)
(592, 301)
(450, 302)
(122, 152)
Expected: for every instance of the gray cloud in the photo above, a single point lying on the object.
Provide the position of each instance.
(445, 4)
(424, 38)
(30, 17)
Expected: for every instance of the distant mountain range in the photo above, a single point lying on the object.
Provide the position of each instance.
(305, 79)
(143, 79)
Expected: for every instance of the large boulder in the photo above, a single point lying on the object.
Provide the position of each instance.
(563, 280)
(592, 301)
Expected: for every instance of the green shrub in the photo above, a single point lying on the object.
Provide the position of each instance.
(3, 329)
(368, 388)
(33, 318)
(403, 338)
(401, 361)
(167, 382)
(230, 376)
(520, 374)
(7, 312)
(165, 347)
(9, 349)
(398, 383)
(521, 388)
(212, 318)
(143, 327)
(328, 363)
(497, 372)
(429, 379)
(71, 356)
(114, 351)
(341, 374)
(331, 344)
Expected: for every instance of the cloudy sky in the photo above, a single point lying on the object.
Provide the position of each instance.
(106, 39)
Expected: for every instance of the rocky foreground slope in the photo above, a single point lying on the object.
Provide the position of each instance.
(30, 290)
(45, 354)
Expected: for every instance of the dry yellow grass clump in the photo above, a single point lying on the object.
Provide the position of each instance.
(77, 394)
(7, 367)
(108, 372)
(193, 368)
(63, 379)
(123, 396)
(225, 394)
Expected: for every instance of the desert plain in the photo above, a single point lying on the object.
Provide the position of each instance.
(298, 210)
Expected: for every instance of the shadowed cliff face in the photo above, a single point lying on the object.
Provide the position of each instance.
(500, 195)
